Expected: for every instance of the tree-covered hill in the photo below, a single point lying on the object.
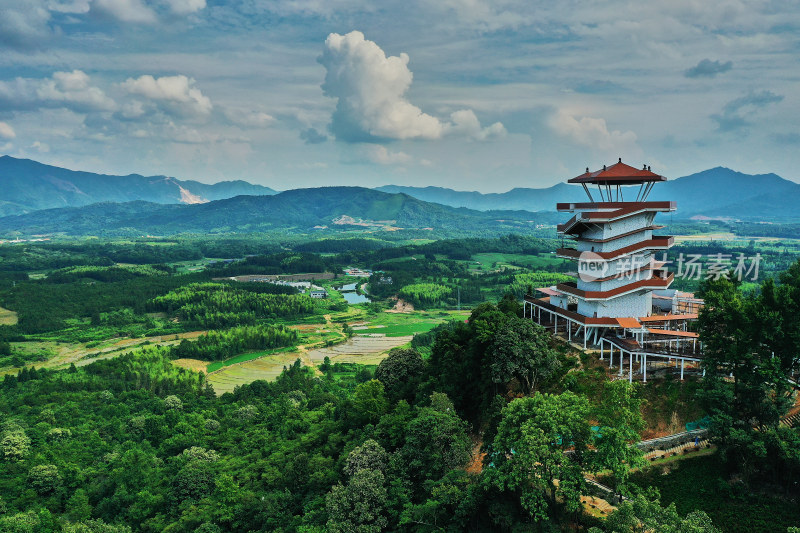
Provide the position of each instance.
(299, 209)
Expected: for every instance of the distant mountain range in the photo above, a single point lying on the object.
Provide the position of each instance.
(524, 199)
(98, 204)
(27, 185)
(717, 192)
(299, 210)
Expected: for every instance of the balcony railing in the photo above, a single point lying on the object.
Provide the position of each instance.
(654, 283)
(656, 243)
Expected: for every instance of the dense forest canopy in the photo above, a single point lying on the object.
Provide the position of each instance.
(483, 422)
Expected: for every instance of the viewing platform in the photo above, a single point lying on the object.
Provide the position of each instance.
(620, 302)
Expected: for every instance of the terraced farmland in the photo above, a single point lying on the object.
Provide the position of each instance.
(267, 368)
(363, 349)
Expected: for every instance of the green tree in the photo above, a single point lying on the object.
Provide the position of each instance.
(621, 423)
(15, 444)
(173, 402)
(436, 442)
(368, 456)
(358, 506)
(521, 350)
(528, 455)
(369, 401)
(746, 391)
(644, 514)
(509, 304)
(78, 506)
(95, 526)
(401, 373)
(44, 479)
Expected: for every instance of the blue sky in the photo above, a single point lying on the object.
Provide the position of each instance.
(467, 94)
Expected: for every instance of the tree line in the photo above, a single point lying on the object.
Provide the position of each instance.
(221, 345)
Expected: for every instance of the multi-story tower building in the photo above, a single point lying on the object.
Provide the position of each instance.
(615, 248)
(610, 303)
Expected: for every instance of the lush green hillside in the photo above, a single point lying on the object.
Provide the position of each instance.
(28, 185)
(300, 209)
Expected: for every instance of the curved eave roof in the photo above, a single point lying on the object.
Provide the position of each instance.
(618, 174)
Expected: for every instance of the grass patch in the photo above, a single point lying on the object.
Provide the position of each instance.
(7, 317)
(402, 324)
(216, 365)
(491, 261)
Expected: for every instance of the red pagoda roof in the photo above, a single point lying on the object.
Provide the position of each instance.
(618, 174)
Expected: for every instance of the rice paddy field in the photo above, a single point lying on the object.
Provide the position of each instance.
(362, 349)
(266, 368)
(373, 338)
(58, 355)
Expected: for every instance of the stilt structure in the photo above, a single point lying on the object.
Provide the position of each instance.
(610, 304)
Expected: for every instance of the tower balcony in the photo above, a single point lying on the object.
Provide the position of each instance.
(602, 212)
(656, 243)
(660, 280)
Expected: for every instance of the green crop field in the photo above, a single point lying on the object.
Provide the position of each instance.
(241, 358)
(490, 261)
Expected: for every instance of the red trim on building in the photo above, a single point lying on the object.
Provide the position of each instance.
(654, 243)
(586, 320)
(650, 283)
(615, 237)
(618, 174)
(609, 207)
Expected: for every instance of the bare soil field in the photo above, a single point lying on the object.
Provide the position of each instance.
(401, 306)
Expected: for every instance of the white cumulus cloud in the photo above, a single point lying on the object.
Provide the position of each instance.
(466, 123)
(70, 90)
(6, 131)
(40, 147)
(174, 93)
(248, 118)
(370, 89)
(379, 154)
(593, 133)
(134, 11)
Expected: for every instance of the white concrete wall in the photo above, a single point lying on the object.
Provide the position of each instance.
(612, 229)
(616, 266)
(633, 305)
(559, 301)
(616, 244)
(613, 283)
